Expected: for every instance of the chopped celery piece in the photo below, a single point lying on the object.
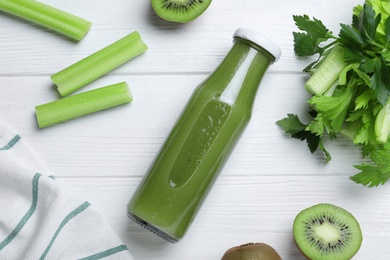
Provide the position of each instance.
(48, 16)
(327, 73)
(99, 63)
(82, 104)
(382, 124)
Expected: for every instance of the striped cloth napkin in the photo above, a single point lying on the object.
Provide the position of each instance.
(40, 218)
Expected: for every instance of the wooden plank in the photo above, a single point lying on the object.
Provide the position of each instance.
(195, 47)
(123, 141)
(241, 209)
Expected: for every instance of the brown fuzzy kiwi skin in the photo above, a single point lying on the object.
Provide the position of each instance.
(251, 251)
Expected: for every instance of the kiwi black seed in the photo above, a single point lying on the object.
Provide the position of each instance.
(326, 231)
(251, 251)
(181, 11)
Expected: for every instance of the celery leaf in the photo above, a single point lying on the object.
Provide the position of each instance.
(307, 43)
(377, 172)
(313, 26)
(293, 126)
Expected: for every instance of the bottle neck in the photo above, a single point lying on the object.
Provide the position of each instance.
(241, 72)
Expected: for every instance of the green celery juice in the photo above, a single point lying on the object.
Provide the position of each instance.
(171, 193)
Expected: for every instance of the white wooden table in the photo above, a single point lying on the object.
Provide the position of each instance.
(269, 177)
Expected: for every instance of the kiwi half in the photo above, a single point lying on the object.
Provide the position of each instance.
(181, 11)
(326, 231)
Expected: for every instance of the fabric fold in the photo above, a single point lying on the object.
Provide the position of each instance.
(40, 218)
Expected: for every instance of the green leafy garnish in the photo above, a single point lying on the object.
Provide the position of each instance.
(350, 83)
(378, 172)
(292, 125)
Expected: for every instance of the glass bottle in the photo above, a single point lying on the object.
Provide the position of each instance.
(171, 193)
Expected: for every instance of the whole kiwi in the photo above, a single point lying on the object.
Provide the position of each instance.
(251, 251)
(181, 11)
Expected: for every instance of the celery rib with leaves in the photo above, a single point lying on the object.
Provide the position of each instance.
(48, 16)
(82, 104)
(350, 87)
(99, 63)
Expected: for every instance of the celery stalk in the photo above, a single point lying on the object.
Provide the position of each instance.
(327, 73)
(82, 104)
(382, 124)
(99, 63)
(47, 16)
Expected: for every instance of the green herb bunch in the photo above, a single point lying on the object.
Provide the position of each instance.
(350, 83)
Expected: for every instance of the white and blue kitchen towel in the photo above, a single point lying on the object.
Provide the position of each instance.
(40, 218)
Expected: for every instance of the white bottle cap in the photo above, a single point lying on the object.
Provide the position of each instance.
(259, 39)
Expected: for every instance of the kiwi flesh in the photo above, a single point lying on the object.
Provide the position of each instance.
(325, 231)
(251, 251)
(181, 11)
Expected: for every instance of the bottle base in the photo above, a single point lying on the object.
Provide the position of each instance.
(152, 228)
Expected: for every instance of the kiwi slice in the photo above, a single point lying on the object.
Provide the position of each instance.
(251, 251)
(325, 231)
(181, 11)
